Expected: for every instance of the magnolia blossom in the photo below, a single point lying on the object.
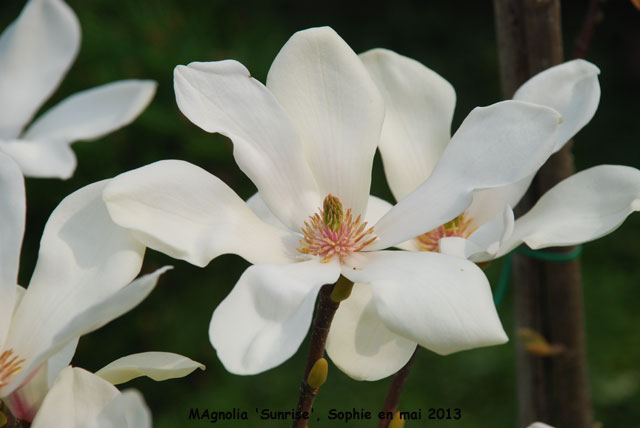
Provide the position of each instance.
(307, 141)
(74, 397)
(82, 280)
(35, 53)
(415, 134)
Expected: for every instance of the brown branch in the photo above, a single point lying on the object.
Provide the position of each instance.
(591, 21)
(395, 389)
(327, 308)
(548, 296)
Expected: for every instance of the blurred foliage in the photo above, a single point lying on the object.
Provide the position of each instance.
(127, 39)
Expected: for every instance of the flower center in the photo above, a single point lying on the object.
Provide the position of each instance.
(460, 227)
(334, 232)
(10, 364)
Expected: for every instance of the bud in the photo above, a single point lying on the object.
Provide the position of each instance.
(342, 290)
(397, 421)
(332, 212)
(318, 373)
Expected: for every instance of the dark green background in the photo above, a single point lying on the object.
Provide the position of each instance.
(127, 39)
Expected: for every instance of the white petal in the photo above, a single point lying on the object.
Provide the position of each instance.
(259, 208)
(181, 210)
(223, 97)
(581, 208)
(441, 302)
(417, 125)
(110, 307)
(76, 400)
(495, 146)
(12, 217)
(539, 425)
(376, 209)
(126, 410)
(336, 108)
(41, 159)
(84, 258)
(264, 319)
(571, 88)
(25, 401)
(35, 52)
(489, 203)
(93, 113)
(483, 244)
(60, 360)
(491, 236)
(156, 365)
(360, 344)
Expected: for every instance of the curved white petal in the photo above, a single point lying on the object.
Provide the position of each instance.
(360, 344)
(443, 303)
(35, 52)
(483, 244)
(93, 113)
(571, 88)
(223, 97)
(489, 203)
(90, 318)
(41, 159)
(417, 125)
(491, 236)
(264, 319)
(156, 365)
(259, 208)
(181, 210)
(581, 208)
(84, 259)
(376, 209)
(80, 399)
(336, 108)
(12, 218)
(57, 362)
(495, 146)
(25, 401)
(539, 425)
(127, 410)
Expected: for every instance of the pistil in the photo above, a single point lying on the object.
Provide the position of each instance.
(460, 227)
(333, 231)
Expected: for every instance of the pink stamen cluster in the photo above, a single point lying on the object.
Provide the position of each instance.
(460, 227)
(332, 232)
(10, 364)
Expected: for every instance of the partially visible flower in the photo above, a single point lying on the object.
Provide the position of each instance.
(82, 280)
(73, 397)
(307, 141)
(581, 208)
(36, 51)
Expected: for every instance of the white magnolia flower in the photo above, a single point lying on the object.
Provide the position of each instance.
(81, 281)
(36, 51)
(307, 140)
(73, 397)
(415, 134)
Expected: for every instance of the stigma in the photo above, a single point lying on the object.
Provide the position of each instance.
(10, 364)
(461, 227)
(334, 232)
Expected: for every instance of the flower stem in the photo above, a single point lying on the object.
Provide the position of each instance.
(591, 21)
(395, 389)
(327, 308)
